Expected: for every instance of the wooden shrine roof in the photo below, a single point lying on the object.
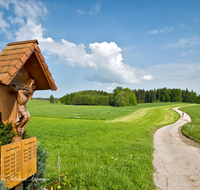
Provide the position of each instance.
(25, 54)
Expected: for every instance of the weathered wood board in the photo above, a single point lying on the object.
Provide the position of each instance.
(18, 161)
(11, 164)
(29, 157)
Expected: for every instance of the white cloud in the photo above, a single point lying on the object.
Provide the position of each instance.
(191, 52)
(30, 9)
(31, 30)
(94, 10)
(110, 88)
(81, 12)
(153, 32)
(183, 43)
(3, 23)
(16, 20)
(26, 12)
(182, 25)
(166, 29)
(148, 77)
(3, 26)
(179, 71)
(105, 58)
(5, 4)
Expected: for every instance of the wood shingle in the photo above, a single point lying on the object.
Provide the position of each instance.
(20, 61)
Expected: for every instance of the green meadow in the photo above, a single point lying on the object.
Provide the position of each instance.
(192, 129)
(100, 147)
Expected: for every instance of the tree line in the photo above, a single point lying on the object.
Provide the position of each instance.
(127, 97)
(87, 97)
(119, 97)
(166, 95)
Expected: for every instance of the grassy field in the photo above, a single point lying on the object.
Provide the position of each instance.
(192, 129)
(106, 148)
(45, 109)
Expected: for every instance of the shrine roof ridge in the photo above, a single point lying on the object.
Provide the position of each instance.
(25, 53)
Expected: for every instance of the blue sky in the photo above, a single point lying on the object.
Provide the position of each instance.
(102, 44)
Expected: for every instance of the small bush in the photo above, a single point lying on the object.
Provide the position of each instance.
(6, 135)
(64, 183)
(2, 186)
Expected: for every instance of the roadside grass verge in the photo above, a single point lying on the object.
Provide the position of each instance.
(99, 154)
(192, 129)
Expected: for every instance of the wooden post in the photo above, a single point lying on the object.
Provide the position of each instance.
(17, 138)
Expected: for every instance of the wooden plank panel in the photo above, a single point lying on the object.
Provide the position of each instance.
(2, 75)
(41, 57)
(29, 157)
(54, 87)
(28, 52)
(22, 42)
(11, 163)
(32, 47)
(12, 71)
(18, 46)
(23, 59)
(51, 79)
(8, 63)
(5, 69)
(44, 65)
(8, 103)
(48, 73)
(5, 78)
(36, 71)
(11, 57)
(37, 48)
(18, 64)
(14, 51)
(19, 80)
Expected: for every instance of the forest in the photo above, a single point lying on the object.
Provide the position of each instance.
(127, 97)
(166, 95)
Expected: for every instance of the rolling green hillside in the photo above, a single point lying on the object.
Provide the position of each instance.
(106, 148)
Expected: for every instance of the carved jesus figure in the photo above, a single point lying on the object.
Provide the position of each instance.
(23, 95)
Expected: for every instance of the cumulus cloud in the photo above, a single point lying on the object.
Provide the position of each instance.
(183, 43)
(105, 58)
(25, 12)
(167, 29)
(30, 9)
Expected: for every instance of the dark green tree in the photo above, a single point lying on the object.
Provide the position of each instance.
(51, 99)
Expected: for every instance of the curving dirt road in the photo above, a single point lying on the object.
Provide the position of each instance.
(176, 158)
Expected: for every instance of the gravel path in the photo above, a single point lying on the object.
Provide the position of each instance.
(176, 158)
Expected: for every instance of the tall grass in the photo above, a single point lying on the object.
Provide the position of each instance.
(100, 151)
(192, 129)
